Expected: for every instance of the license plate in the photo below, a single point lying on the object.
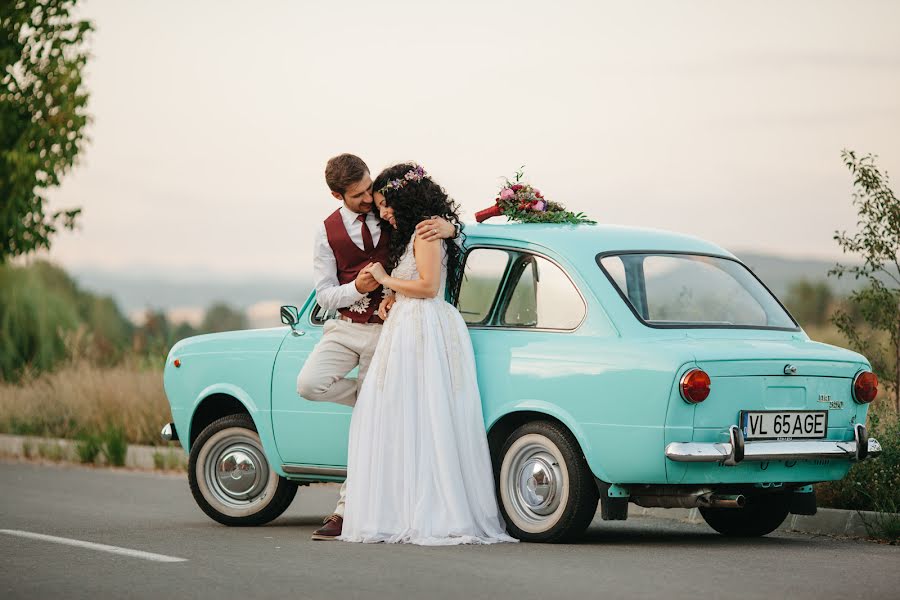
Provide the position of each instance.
(784, 424)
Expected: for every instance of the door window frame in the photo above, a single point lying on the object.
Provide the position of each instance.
(507, 286)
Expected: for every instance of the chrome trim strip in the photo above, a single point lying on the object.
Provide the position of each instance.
(769, 450)
(323, 471)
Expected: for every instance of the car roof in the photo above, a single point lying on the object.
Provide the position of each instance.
(596, 239)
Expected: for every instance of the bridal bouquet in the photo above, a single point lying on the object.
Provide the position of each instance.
(521, 202)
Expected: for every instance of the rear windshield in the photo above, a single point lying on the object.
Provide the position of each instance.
(691, 290)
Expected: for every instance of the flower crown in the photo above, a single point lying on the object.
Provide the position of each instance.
(417, 174)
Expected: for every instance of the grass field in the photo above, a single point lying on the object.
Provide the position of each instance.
(84, 398)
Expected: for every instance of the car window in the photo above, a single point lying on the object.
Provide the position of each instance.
(483, 274)
(319, 315)
(678, 290)
(543, 297)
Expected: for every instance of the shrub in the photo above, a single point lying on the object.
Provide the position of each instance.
(115, 445)
(51, 451)
(88, 447)
(872, 485)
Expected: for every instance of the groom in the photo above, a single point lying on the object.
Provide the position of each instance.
(348, 240)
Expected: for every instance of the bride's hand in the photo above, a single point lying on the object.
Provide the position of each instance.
(385, 306)
(377, 271)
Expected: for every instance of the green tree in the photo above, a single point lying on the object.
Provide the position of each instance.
(221, 317)
(43, 114)
(877, 241)
(809, 302)
(45, 318)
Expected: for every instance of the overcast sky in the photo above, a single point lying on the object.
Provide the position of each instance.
(213, 120)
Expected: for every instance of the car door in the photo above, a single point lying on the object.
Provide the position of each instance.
(516, 304)
(306, 432)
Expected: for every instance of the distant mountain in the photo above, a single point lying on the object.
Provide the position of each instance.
(185, 295)
(134, 293)
(779, 272)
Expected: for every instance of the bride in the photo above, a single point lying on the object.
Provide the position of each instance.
(418, 469)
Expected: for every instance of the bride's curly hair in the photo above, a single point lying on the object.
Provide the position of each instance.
(413, 203)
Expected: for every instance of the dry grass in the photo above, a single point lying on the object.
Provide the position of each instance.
(81, 397)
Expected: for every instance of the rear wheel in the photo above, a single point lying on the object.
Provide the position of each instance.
(230, 477)
(547, 492)
(761, 515)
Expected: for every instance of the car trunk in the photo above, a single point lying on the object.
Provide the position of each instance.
(749, 375)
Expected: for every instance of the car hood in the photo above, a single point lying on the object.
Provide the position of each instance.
(250, 340)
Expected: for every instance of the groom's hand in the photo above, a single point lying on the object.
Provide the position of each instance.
(435, 228)
(365, 283)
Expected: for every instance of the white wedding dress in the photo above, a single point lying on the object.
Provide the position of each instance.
(419, 470)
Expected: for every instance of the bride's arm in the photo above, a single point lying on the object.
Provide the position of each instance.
(428, 263)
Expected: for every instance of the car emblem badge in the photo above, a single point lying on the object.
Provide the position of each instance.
(790, 370)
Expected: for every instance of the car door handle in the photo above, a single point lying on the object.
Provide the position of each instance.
(297, 332)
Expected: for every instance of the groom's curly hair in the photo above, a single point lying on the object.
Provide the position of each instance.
(413, 203)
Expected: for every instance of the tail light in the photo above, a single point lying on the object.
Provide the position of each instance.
(694, 386)
(865, 387)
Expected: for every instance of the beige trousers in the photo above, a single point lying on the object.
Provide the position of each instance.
(343, 347)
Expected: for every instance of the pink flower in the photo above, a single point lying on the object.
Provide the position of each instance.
(540, 206)
(507, 194)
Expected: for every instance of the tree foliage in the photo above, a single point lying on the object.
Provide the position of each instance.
(45, 318)
(43, 115)
(221, 317)
(877, 241)
(809, 302)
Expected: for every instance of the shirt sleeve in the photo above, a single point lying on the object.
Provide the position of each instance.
(330, 294)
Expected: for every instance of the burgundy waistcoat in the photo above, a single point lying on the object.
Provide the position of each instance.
(350, 261)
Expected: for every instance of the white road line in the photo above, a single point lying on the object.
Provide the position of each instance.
(93, 546)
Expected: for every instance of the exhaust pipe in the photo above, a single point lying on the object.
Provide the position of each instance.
(706, 500)
(723, 501)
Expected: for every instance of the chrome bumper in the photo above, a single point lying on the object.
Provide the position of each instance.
(168, 433)
(729, 453)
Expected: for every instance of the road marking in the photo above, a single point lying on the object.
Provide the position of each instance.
(93, 546)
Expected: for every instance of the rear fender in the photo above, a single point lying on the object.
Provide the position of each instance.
(540, 407)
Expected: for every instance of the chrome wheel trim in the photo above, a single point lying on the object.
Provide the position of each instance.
(534, 483)
(233, 473)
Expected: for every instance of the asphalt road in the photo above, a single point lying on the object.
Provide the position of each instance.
(155, 514)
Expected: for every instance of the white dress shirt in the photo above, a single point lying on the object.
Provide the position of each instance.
(330, 294)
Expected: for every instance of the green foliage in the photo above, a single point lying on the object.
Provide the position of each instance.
(45, 318)
(88, 446)
(51, 451)
(34, 322)
(878, 242)
(221, 317)
(872, 485)
(43, 112)
(115, 444)
(169, 460)
(809, 302)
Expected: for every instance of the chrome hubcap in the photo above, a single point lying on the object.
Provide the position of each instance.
(236, 471)
(533, 483)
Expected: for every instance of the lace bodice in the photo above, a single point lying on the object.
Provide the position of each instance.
(406, 268)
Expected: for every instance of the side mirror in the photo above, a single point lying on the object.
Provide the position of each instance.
(290, 315)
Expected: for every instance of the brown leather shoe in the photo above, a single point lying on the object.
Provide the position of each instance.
(331, 528)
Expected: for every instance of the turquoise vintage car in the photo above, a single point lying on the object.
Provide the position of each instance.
(615, 364)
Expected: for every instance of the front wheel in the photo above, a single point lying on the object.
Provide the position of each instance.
(547, 492)
(762, 515)
(230, 477)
